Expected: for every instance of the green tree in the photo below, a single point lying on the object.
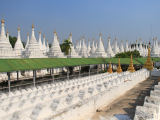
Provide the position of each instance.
(135, 54)
(66, 46)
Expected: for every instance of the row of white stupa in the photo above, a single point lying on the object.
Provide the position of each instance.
(34, 49)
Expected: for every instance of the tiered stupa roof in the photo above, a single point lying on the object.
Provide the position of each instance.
(110, 69)
(148, 64)
(83, 51)
(119, 70)
(33, 50)
(109, 49)
(55, 50)
(18, 45)
(100, 52)
(73, 53)
(131, 67)
(4, 43)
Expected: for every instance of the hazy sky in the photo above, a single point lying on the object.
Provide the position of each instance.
(120, 18)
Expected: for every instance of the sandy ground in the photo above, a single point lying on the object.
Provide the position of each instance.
(123, 108)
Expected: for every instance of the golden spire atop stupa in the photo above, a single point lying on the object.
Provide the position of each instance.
(32, 24)
(2, 19)
(54, 30)
(7, 30)
(140, 39)
(80, 38)
(28, 33)
(109, 36)
(148, 64)
(126, 40)
(40, 31)
(18, 27)
(100, 33)
(131, 67)
(83, 35)
(119, 70)
(93, 38)
(110, 69)
(70, 33)
(43, 35)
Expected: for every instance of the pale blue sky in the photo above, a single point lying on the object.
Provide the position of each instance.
(120, 18)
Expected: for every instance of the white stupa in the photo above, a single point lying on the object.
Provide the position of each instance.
(83, 51)
(109, 51)
(89, 48)
(154, 52)
(18, 47)
(100, 52)
(47, 46)
(4, 43)
(55, 50)
(73, 53)
(126, 47)
(115, 48)
(137, 45)
(27, 41)
(40, 42)
(33, 50)
(140, 48)
(130, 49)
(121, 47)
(8, 39)
(96, 44)
(93, 49)
(44, 45)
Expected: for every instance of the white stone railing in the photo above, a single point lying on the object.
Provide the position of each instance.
(70, 99)
(151, 108)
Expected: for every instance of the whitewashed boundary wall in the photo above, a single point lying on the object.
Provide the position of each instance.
(155, 72)
(69, 100)
(151, 108)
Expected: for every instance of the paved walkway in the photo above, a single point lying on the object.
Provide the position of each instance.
(124, 107)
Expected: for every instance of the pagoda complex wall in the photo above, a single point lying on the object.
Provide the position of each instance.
(68, 100)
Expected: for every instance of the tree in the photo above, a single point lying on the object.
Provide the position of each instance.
(135, 54)
(66, 46)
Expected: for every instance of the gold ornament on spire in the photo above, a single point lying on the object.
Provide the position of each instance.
(54, 30)
(140, 39)
(43, 35)
(115, 39)
(47, 39)
(119, 70)
(109, 36)
(148, 64)
(2, 19)
(93, 38)
(70, 33)
(40, 31)
(32, 24)
(80, 38)
(110, 69)
(28, 33)
(18, 27)
(131, 67)
(100, 33)
(83, 35)
(7, 30)
(126, 40)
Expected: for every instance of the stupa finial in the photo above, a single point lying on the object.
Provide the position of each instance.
(110, 69)
(119, 70)
(148, 64)
(131, 67)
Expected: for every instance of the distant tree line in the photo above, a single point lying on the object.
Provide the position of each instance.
(135, 54)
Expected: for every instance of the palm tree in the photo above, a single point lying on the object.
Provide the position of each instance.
(67, 46)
